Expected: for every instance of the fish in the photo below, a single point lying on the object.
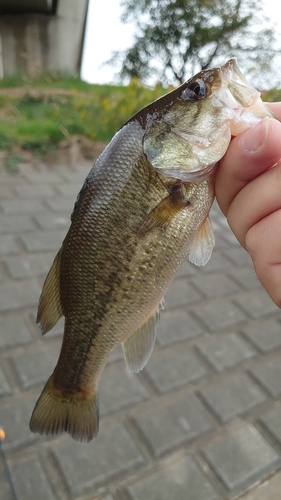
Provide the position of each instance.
(142, 210)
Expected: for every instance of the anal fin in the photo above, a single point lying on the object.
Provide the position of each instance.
(138, 347)
(203, 244)
(49, 309)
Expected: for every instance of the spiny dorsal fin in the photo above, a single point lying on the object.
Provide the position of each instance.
(138, 347)
(203, 244)
(49, 309)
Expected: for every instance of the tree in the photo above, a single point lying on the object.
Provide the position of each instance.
(176, 38)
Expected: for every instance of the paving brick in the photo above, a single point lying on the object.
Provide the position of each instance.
(241, 459)
(13, 331)
(232, 396)
(272, 422)
(35, 192)
(13, 207)
(168, 426)
(30, 480)
(176, 326)
(69, 190)
(28, 266)
(15, 417)
(15, 224)
(35, 365)
(180, 294)
(239, 257)
(5, 193)
(43, 242)
(216, 263)
(119, 389)
(61, 205)
(186, 270)
(256, 303)
(174, 368)
(49, 222)
(4, 386)
(5, 490)
(8, 245)
(269, 490)
(7, 179)
(269, 375)
(216, 285)
(17, 295)
(43, 178)
(113, 452)
(247, 278)
(225, 351)
(266, 335)
(229, 237)
(181, 480)
(219, 314)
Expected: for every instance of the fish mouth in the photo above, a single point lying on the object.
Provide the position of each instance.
(243, 101)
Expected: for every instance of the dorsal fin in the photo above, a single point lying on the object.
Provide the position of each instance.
(138, 347)
(49, 309)
(203, 244)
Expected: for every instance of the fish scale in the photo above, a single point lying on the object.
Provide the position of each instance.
(132, 226)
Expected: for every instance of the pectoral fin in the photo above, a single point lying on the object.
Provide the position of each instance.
(138, 347)
(164, 212)
(49, 309)
(203, 244)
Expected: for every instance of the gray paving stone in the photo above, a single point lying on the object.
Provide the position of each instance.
(15, 224)
(43, 242)
(15, 415)
(266, 335)
(5, 193)
(61, 205)
(216, 285)
(256, 303)
(50, 222)
(5, 491)
(229, 237)
(35, 192)
(168, 426)
(180, 293)
(69, 190)
(116, 354)
(35, 365)
(4, 386)
(7, 179)
(219, 314)
(232, 396)
(57, 331)
(268, 490)
(8, 245)
(216, 263)
(43, 178)
(239, 257)
(186, 270)
(30, 480)
(28, 266)
(247, 278)
(13, 331)
(113, 452)
(119, 389)
(19, 294)
(13, 207)
(174, 368)
(241, 459)
(269, 375)
(182, 480)
(272, 422)
(226, 351)
(176, 326)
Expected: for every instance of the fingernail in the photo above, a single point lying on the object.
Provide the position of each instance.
(253, 139)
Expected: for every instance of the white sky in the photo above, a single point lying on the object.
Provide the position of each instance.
(105, 33)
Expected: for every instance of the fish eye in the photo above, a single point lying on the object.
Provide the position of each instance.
(195, 90)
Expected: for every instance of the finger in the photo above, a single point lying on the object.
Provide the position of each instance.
(276, 108)
(263, 243)
(254, 202)
(250, 154)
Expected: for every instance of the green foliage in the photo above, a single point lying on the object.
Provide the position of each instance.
(273, 95)
(38, 119)
(11, 163)
(176, 38)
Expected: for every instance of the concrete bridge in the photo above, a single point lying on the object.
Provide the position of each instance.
(41, 35)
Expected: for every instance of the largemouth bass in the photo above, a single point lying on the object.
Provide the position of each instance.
(143, 208)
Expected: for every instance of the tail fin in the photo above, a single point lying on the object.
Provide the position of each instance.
(54, 414)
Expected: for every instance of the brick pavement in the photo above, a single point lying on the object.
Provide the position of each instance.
(201, 422)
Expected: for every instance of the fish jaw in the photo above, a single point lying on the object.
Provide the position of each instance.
(245, 106)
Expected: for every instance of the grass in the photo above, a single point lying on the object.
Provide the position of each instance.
(37, 113)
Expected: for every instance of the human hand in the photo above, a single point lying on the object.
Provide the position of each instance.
(248, 191)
